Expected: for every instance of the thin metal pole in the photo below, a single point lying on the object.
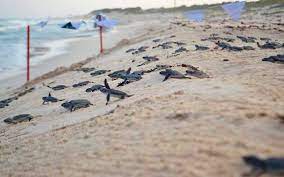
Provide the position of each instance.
(28, 53)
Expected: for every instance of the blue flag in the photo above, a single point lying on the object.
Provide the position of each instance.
(42, 24)
(234, 10)
(195, 15)
(107, 23)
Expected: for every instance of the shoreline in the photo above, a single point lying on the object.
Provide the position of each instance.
(82, 48)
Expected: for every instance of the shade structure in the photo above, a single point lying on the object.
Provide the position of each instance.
(195, 15)
(73, 25)
(235, 9)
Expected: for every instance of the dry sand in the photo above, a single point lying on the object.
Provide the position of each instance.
(195, 128)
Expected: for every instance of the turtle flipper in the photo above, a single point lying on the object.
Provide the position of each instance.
(128, 71)
(72, 109)
(122, 83)
(106, 84)
(108, 99)
(167, 77)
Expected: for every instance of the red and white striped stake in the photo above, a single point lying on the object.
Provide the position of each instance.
(101, 40)
(101, 36)
(28, 53)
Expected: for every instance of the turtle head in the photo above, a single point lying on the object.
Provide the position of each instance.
(254, 161)
(106, 84)
(66, 104)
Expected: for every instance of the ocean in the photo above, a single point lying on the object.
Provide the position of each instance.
(45, 42)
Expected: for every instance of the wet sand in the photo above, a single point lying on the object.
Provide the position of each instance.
(180, 127)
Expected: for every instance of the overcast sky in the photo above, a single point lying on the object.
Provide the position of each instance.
(44, 8)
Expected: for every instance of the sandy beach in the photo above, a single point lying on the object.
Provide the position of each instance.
(198, 127)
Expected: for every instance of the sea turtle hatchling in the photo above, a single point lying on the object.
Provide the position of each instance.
(99, 72)
(112, 92)
(169, 73)
(94, 88)
(49, 99)
(264, 166)
(81, 84)
(58, 87)
(74, 105)
(19, 118)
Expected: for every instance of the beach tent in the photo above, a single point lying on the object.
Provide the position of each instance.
(73, 25)
(235, 9)
(195, 15)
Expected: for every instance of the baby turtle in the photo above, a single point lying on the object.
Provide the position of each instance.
(58, 87)
(265, 39)
(3, 105)
(6, 102)
(179, 43)
(130, 50)
(74, 105)
(169, 73)
(223, 45)
(199, 47)
(50, 99)
(156, 40)
(130, 77)
(9, 100)
(140, 50)
(275, 59)
(182, 49)
(19, 118)
(81, 84)
(193, 71)
(213, 39)
(264, 166)
(94, 88)
(165, 45)
(235, 48)
(117, 74)
(270, 45)
(114, 93)
(227, 46)
(86, 70)
(149, 59)
(99, 72)
(247, 39)
(248, 48)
